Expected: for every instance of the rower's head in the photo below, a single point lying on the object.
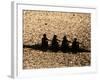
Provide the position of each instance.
(75, 39)
(64, 37)
(44, 35)
(55, 36)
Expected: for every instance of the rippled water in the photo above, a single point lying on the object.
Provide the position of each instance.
(38, 59)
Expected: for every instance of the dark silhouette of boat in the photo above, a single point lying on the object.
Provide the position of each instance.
(70, 49)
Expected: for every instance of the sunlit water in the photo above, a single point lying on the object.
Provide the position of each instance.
(39, 59)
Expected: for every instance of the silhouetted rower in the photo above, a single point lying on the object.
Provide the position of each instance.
(65, 45)
(75, 45)
(54, 44)
(44, 43)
